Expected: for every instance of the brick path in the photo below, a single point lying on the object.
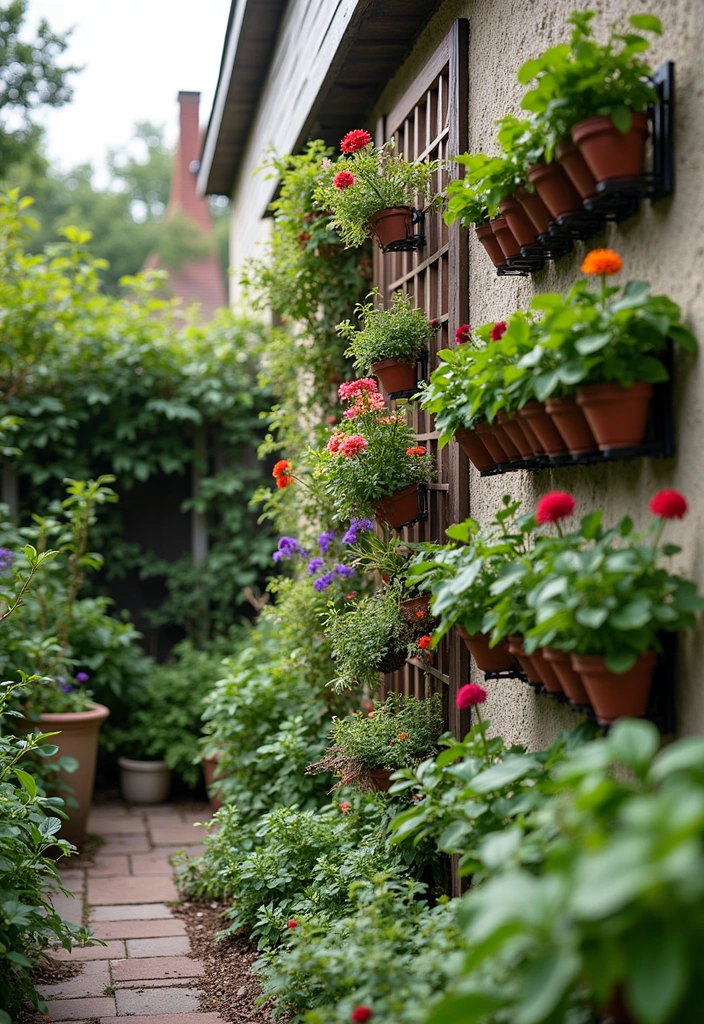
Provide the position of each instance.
(144, 970)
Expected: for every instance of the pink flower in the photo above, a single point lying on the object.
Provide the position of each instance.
(352, 388)
(358, 138)
(343, 179)
(333, 445)
(462, 334)
(361, 1014)
(469, 695)
(498, 330)
(669, 505)
(554, 506)
(353, 445)
(344, 806)
(364, 403)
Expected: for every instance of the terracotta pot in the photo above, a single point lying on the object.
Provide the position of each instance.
(571, 683)
(78, 739)
(531, 436)
(488, 659)
(395, 376)
(548, 676)
(515, 646)
(535, 208)
(548, 435)
(576, 169)
(210, 766)
(491, 243)
(506, 239)
(505, 441)
(392, 225)
(379, 779)
(144, 782)
(512, 426)
(555, 189)
(612, 155)
(571, 423)
(410, 609)
(617, 415)
(398, 509)
(522, 227)
(492, 443)
(615, 695)
(475, 449)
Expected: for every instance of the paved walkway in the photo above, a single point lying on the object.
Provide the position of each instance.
(144, 970)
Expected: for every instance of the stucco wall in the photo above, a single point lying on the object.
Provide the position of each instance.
(663, 244)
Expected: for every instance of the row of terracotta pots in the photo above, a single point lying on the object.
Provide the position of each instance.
(582, 680)
(598, 417)
(597, 152)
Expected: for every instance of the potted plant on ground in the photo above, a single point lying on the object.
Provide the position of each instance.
(372, 465)
(373, 191)
(389, 342)
(367, 748)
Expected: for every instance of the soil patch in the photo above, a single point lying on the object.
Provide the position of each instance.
(228, 987)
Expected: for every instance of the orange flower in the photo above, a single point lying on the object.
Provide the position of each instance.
(403, 735)
(602, 261)
(420, 614)
(281, 467)
(284, 481)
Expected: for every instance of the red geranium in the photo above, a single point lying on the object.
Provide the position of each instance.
(360, 1014)
(358, 138)
(470, 695)
(352, 388)
(554, 506)
(281, 467)
(353, 445)
(462, 334)
(343, 179)
(425, 642)
(284, 481)
(416, 451)
(292, 924)
(669, 505)
(498, 330)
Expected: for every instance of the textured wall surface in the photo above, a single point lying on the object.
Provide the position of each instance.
(663, 244)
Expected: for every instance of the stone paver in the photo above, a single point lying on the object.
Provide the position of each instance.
(121, 827)
(69, 907)
(129, 912)
(129, 889)
(107, 864)
(110, 951)
(81, 1009)
(177, 945)
(174, 833)
(92, 981)
(126, 844)
(156, 967)
(156, 1000)
(139, 929)
(184, 1018)
(151, 864)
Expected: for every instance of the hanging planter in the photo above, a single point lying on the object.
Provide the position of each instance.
(396, 376)
(555, 189)
(488, 239)
(617, 415)
(536, 209)
(475, 449)
(392, 226)
(515, 646)
(492, 443)
(569, 679)
(549, 437)
(521, 226)
(504, 439)
(513, 428)
(379, 780)
(505, 237)
(548, 676)
(615, 695)
(610, 154)
(575, 166)
(569, 418)
(399, 509)
(488, 659)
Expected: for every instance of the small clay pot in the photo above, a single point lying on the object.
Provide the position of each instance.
(512, 426)
(575, 166)
(475, 449)
(535, 208)
(379, 779)
(506, 443)
(506, 239)
(616, 415)
(545, 430)
(396, 376)
(392, 225)
(492, 443)
(400, 508)
(555, 189)
(612, 155)
(531, 436)
(210, 767)
(548, 676)
(520, 224)
(615, 695)
(491, 243)
(515, 646)
(572, 424)
(571, 683)
(488, 659)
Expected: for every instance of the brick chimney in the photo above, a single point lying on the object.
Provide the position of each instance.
(183, 187)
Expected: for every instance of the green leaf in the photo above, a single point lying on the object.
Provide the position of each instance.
(592, 618)
(620, 661)
(544, 984)
(646, 23)
(593, 343)
(634, 743)
(686, 755)
(500, 775)
(26, 781)
(622, 118)
(634, 615)
(658, 973)
(451, 838)
(466, 1009)
(498, 847)
(682, 336)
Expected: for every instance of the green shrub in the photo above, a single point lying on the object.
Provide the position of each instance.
(396, 333)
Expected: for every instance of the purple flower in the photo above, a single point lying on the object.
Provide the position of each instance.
(82, 677)
(345, 571)
(324, 581)
(64, 686)
(314, 566)
(355, 526)
(325, 540)
(6, 559)
(289, 546)
(277, 556)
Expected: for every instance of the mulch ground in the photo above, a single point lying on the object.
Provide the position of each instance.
(228, 987)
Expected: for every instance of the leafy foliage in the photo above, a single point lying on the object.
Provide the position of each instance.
(396, 333)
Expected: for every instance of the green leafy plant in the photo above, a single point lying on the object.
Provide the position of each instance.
(399, 333)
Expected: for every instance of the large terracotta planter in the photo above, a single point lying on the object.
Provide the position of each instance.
(548, 676)
(400, 508)
(144, 782)
(572, 424)
(617, 415)
(571, 683)
(475, 449)
(491, 244)
(575, 166)
(492, 443)
(515, 646)
(380, 779)
(395, 376)
(392, 225)
(210, 767)
(506, 239)
(615, 695)
(78, 739)
(543, 427)
(612, 155)
(505, 441)
(522, 227)
(555, 189)
(512, 426)
(488, 659)
(535, 208)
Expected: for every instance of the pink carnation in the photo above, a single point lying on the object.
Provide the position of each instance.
(333, 445)
(352, 388)
(353, 445)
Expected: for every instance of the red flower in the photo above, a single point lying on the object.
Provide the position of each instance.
(462, 333)
(415, 451)
(425, 642)
(333, 445)
(282, 482)
(360, 1014)
(351, 596)
(292, 924)
(498, 330)
(554, 506)
(303, 238)
(402, 736)
(469, 695)
(281, 467)
(669, 505)
(353, 445)
(420, 614)
(344, 806)
(343, 179)
(358, 138)
(352, 388)
(434, 324)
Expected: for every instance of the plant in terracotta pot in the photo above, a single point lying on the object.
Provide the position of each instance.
(372, 465)
(372, 190)
(389, 341)
(368, 747)
(590, 100)
(474, 201)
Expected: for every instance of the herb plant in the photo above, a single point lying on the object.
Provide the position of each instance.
(399, 333)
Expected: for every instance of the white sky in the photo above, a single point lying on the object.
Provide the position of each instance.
(137, 55)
